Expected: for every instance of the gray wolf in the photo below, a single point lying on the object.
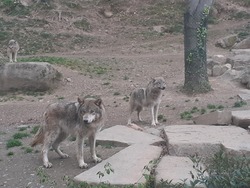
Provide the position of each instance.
(147, 97)
(13, 48)
(83, 118)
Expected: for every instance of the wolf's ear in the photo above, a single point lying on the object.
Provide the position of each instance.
(80, 101)
(98, 102)
(153, 79)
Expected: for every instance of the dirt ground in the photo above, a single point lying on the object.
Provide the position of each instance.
(130, 63)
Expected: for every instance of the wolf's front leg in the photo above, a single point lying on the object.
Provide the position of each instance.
(156, 109)
(79, 152)
(153, 116)
(10, 57)
(14, 56)
(92, 143)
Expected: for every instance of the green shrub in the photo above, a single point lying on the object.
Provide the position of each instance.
(239, 104)
(13, 143)
(20, 135)
(224, 171)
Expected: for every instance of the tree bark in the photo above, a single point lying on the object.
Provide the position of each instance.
(195, 35)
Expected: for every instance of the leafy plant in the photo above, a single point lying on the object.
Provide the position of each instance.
(20, 135)
(223, 171)
(10, 153)
(13, 143)
(186, 115)
(107, 170)
(35, 129)
(239, 104)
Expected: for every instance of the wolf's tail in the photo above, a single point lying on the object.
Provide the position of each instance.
(39, 137)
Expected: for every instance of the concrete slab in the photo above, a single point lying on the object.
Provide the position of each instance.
(176, 169)
(241, 118)
(186, 140)
(244, 94)
(126, 135)
(214, 118)
(128, 166)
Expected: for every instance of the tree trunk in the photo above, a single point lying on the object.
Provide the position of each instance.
(195, 35)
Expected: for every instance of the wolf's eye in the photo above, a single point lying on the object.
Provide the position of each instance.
(92, 111)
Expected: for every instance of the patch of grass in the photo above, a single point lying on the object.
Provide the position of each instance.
(106, 83)
(60, 98)
(117, 93)
(162, 118)
(11, 153)
(21, 135)
(83, 24)
(14, 8)
(2, 133)
(4, 35)
(72, 138)
(194, 110)
(211, 106)
(28, 150)
(241, 15)
(13, 143)
(125, 77)
(239, 104)
(98, 70)
(243, 34)
(186, 115)
(73, 5)
(126, 98)
(35, 129)
(203, 111)
(22, 129)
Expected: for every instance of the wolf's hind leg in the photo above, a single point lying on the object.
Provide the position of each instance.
(14, 56)
(139, 109)
(45, 149)
(60, 137)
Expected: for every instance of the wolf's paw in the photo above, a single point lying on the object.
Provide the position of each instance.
(64, 155)
(47, 165)
(97, 159)
(83, 165)
(153, 124)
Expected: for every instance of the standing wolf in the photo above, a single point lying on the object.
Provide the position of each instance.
(12, 50)
(147, 97)
(83, 119)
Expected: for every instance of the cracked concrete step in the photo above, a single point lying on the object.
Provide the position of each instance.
(125, 135)
(128, 166)
(187, 140)
(176, 169)
(241, 118)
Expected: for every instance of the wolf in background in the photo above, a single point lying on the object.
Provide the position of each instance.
(12, 49)
(147, 97)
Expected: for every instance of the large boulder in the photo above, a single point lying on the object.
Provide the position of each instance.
(244, 44)
(239, 61)
(227, 42)
(245, 77)
(32, 76)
